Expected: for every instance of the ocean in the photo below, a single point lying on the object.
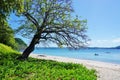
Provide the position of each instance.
(97, 54)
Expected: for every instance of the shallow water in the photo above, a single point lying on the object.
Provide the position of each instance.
(104, 55)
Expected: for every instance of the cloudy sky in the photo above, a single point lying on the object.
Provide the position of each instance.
(103, 18)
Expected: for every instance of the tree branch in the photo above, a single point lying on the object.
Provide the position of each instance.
(32, 19)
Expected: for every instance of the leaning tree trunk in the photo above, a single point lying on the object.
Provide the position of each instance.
(30, 48)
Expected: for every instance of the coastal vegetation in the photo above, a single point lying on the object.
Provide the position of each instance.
(45, 21)
(37, 69)
(6, 8)
(51, 21)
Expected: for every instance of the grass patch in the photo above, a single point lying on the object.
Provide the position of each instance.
(36, 69)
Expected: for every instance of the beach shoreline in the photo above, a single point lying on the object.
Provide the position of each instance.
(105, 71)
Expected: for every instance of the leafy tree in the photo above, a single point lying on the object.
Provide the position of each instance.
(51, 21)
(7, 36)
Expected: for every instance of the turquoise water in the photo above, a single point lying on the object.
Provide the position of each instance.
(104, 55)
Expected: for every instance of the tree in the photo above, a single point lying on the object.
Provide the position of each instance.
(51, 21)
(7, 36)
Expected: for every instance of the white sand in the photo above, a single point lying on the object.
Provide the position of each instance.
(105, 71)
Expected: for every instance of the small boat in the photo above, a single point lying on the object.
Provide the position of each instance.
(96, 54)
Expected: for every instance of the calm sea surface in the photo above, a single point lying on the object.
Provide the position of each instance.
(104, 55)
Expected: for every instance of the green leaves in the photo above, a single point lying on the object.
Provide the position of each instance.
(8, 6)
(7, 36)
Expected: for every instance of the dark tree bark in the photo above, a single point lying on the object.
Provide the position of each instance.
(30, 48)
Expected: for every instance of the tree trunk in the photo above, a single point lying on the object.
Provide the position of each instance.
(30, 48)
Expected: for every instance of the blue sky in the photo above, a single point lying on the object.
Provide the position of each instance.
(103, 18)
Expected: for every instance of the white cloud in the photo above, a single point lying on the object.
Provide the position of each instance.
(117, 40)
(105, 42)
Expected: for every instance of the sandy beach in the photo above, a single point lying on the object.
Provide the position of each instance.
(105, 71)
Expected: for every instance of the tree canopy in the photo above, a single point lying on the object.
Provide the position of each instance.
(8, 6)
(51, 21)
